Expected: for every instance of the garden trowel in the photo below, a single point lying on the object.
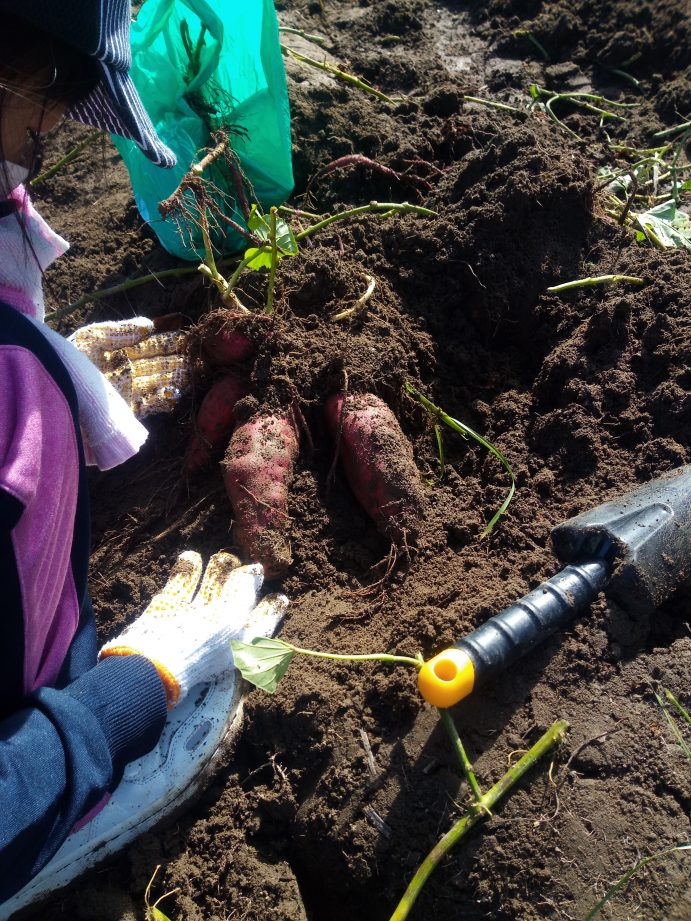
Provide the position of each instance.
(637, 549)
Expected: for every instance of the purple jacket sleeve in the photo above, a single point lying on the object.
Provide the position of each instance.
(60, 750)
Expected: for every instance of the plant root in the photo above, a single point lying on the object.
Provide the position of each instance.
(345, 163)
(332, 469)
(351, 312)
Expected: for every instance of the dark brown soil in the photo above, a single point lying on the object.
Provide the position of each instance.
(586, 394)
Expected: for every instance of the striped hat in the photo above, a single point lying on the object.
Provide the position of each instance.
(100, 29)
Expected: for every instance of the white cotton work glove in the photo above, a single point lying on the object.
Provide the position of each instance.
(148, 369)
(186, 635)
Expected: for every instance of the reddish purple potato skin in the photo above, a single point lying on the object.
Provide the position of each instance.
(258, 470)
(378, 462)
(215, 421)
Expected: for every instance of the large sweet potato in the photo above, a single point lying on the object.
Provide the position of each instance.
(215, 421)
(258, 471)
(378, 463)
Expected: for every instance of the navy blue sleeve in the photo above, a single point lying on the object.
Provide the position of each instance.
(61, 751)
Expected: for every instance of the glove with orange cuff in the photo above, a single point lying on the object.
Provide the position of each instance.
(186, 635)
(148, 369)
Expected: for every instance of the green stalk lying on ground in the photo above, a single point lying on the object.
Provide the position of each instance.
(464, 430)
(336, 72)
(594, 281)
(547, 99)
(252, 257)
(264, 661)
(378, 209)
(127, 285)
(615, 887)
(71, 155)
(669, 697)
(479, 810)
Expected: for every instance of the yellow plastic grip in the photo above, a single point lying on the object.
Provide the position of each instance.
(446, 678)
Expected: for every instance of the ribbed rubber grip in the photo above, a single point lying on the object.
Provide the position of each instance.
(517, 629)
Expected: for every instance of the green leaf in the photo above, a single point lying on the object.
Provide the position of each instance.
(665, 226)
(157, 914)
(534, 90)
(260, 225)
(464, 430)
(262, 260)
(263, 662)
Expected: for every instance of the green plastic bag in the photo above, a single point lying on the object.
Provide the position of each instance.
(200, 66)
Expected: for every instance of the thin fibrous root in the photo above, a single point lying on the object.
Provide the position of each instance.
(359, 305)
(196, 187)
(389, 561)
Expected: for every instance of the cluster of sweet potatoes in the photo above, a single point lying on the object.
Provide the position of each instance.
(261, 453)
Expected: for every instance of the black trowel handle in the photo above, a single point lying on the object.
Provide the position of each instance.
(454, 673)
(638, 546)
(517, 629)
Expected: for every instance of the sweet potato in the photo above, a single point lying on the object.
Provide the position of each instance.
(225, 337)
(378, 463)
(228, 346)
(258, 471)
(215, 421)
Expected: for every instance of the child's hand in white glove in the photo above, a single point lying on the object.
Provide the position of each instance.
(187, 636)
(147, 368)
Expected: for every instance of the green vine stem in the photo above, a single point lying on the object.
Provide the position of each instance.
(675, 129)
(208, 268)
(615, 887)
(119, 289)
(288, 211)
(385, 209)
(581, 100)
(596, 280)
(381, 209)
(370, 657)
(308, 37)
(274, 261)
(437, 413)
(477, 811)
(526, 33)
(335, 72)
(494, 105)
(466, 766)
(91, 138)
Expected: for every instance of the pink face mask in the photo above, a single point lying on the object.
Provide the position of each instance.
(24, 256)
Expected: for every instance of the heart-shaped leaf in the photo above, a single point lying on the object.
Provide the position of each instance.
(263, 662)
(260, 225)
